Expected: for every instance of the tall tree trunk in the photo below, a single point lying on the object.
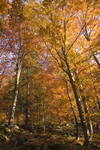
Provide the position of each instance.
(18, 72)
(39, 115)
(44, 119)
(88, 140)
(38, 111)
(85, 105)
(77, 126)
(88, 117)
(27, 121)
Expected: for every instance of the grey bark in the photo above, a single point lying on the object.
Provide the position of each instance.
(88, 140)
(85, 105)
(77, 126)
(18, 72)
(87, 112)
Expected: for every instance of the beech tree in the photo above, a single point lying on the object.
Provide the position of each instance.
(60, 41)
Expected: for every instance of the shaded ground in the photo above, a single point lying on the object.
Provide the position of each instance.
(20, 139)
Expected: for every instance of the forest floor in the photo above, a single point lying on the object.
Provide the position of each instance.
(21, 139)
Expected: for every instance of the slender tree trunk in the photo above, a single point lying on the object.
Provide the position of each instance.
(12, 113)
(38, 111)
(58, 113)
(88, 117)
(21, 104)
(77, 126)
(44, 119)
(39, 116)
(27, 121)
(85, 106)
(88, 140)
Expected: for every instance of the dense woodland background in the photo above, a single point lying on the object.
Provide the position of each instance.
(49, 72)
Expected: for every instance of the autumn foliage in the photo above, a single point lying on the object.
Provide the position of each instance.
(50, 63)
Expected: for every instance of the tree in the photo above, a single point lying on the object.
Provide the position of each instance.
(76, 120)
(16, 18)
(59, 41)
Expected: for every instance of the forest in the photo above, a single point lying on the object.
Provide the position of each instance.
(49, 74)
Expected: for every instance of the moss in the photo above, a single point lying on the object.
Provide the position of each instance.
(7, 130)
